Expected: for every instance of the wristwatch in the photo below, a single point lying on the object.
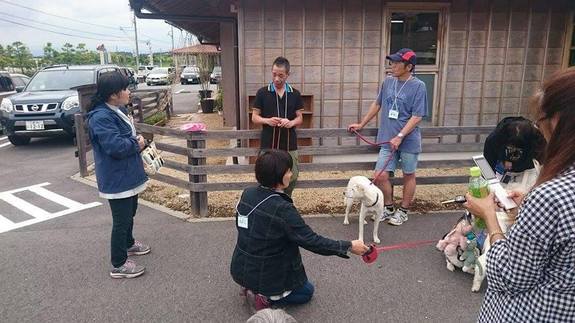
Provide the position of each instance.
(400, 134)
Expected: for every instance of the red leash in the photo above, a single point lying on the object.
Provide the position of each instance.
(371, 255)
(391, 155)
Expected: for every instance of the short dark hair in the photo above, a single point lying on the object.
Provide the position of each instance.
(282, 62)
(271, 166)
(109, 83)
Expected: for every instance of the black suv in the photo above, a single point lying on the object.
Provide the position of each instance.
(47, 106)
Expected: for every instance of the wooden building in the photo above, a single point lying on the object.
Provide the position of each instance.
(481, 59)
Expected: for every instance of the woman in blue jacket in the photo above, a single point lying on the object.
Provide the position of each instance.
(119, 169)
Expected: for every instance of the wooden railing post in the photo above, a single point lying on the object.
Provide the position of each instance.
(198, 200)
(81, 141)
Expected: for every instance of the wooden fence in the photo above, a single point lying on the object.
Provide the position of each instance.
(197, 169)
(144, 103)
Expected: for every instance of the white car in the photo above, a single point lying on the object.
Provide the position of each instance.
(160, 75)
(143, 72)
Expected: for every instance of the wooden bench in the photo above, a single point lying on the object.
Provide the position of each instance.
(196, 152)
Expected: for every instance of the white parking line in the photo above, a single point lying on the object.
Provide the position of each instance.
(5, 144)
(38, 214)
(3, 138)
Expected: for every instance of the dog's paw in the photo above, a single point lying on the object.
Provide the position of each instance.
(376, 240)
(364, 222)
(345, 222)
(475, 289)
(450, 267)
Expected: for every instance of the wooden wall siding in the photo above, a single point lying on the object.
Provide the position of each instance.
(499, 52)
(334, 47)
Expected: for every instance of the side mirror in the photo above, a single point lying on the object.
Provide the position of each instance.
(20, 89)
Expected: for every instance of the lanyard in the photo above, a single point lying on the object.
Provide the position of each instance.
(396, 93)
(278, 102)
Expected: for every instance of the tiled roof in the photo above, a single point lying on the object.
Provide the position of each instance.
(197, 49)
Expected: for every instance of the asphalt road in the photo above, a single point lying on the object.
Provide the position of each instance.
(56, 270)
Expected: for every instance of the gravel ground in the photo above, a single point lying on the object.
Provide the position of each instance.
(308, 201)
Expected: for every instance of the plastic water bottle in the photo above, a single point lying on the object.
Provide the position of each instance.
(478, 188)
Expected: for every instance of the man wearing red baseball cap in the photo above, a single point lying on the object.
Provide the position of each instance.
(404, 100)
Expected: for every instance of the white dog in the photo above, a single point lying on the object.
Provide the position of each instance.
(505, 222)
(360, 188)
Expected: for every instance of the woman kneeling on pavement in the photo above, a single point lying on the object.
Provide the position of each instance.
(267, 261)
(119, 168)
(531, 272)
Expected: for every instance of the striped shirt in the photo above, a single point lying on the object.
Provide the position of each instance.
(531, 275)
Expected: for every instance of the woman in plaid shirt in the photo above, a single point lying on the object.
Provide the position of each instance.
(531, 272)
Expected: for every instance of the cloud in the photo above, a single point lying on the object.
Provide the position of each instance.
(111, 13)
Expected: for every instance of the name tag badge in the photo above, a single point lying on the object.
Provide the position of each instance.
(393, 114)
(242, 221)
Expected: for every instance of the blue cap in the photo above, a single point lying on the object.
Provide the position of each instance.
(403, 55)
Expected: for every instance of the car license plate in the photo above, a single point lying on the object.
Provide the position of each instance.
(190, 80)
(35, 125)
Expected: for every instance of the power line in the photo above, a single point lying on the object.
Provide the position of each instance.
(51, 14)
(70, 29)
(56, 32)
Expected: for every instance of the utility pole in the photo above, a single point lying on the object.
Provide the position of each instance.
(173, 55)
(137, 51)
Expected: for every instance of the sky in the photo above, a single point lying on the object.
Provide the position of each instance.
(107, 22)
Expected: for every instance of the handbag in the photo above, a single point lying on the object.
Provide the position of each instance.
(151, 159)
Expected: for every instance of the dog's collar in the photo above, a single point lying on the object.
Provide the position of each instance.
(376, 200)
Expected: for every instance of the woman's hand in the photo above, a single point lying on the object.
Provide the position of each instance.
(482, 208)
(516, 196)
(358, 247)
(141, 141)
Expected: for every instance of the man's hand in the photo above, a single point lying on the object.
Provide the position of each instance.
(285, 123)
(395, 142)
(354, 126)
(273, 121)
(358, 247)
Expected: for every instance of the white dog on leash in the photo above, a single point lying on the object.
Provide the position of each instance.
(360, 188)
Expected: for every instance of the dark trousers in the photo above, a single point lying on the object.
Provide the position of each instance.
(301, 295)
(123, 212)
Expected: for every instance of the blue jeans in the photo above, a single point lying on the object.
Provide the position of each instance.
(301, 295)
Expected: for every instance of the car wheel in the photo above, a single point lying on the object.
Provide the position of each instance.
(148, 84)
(19, 140)
(182, 82)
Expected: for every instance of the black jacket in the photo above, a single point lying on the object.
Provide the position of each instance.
(266, 258)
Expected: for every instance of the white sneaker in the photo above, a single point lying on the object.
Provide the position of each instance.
(398, 217)
(387, 214)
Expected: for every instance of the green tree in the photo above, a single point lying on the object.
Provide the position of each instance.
(22, 57)
(50, 55)
(67, 56)
(5, 57)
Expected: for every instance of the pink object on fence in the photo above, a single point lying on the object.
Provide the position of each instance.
(194, 127)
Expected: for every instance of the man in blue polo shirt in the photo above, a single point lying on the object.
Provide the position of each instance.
(404, 101)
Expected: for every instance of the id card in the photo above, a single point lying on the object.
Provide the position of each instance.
(242, 221)
(393, 114)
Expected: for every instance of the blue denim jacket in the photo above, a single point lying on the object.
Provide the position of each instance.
(117, 158)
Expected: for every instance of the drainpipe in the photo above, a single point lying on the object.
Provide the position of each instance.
(138, 5)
